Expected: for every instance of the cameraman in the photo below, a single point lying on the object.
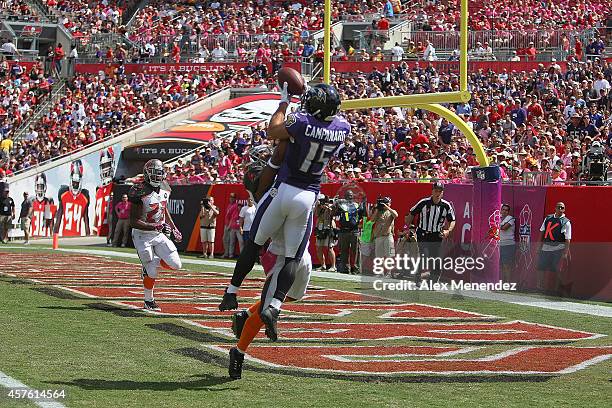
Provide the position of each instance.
(595, 163)
(384, 225)
(349, 215)
(208, 223)
(324, 234)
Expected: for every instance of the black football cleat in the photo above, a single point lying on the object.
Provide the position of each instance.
(229, 302)
(235, 364)
(238, 321)
(270, 318)
(151, 305)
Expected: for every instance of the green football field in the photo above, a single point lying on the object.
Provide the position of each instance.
(62, 333)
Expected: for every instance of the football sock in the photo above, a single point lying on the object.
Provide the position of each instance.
(254, 307)
(275, 303)
(232, 289)
(285, 279)
(245, 263)
(249, 331)
(148, 284)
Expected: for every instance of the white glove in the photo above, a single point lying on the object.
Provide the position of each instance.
(285, 93)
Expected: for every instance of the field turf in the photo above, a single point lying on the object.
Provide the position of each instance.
(105, 355)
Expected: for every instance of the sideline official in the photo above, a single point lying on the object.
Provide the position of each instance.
(556, 236)
(436, 222)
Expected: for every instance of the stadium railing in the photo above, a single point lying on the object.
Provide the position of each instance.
(42, 6)
(497, 39)
(369, 17)
(57, 92)
(230, 42)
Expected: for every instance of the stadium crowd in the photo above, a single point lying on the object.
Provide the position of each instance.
(521, 117)
(542, 122)
(96, 107)
(512, 15)
(20, 93)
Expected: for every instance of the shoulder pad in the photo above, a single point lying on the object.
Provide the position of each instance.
(290, 120)
(165, 186)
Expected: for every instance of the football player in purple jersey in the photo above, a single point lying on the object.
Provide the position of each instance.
(315, 134)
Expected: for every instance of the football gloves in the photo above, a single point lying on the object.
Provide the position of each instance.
(168, 231)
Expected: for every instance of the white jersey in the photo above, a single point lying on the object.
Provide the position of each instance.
(153, 202)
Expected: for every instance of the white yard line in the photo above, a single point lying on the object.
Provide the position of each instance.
(20, 388)
(531, 301)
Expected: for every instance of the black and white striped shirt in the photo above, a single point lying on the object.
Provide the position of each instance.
(432, 215)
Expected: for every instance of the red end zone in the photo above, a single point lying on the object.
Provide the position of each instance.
(93, 276)
(327, 295)
(426, 359)
(509, 332)
(313, 310)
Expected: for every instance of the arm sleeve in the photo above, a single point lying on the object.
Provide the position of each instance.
(417, 207)
(135, 194)
(450, 216)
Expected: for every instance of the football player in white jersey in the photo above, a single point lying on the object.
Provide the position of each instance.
(152, 226)
(247, 323)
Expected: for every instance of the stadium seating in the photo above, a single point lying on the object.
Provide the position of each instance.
(385, 142)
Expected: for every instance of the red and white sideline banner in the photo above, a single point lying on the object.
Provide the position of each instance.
(153, 68)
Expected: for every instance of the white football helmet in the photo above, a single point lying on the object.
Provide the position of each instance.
(40, 186)
(154, 172)
(76, 177)
(107, 164)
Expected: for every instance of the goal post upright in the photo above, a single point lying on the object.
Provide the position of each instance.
(430, 101)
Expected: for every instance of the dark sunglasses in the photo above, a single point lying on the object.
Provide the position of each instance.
(561, 207)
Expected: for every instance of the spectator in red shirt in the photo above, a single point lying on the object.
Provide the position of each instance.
(534, 109)
(531, 52)
(58, 56)
(383, 24)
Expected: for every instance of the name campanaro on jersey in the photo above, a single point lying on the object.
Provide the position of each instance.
(325, 134)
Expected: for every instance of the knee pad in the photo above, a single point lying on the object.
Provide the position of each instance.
(172, 261)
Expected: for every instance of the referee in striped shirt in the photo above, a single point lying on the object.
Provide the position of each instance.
(436, 222)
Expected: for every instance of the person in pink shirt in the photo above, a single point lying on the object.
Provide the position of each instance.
(122, 229)
(225, 165)
(231, 227)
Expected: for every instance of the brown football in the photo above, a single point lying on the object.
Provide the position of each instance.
(295, 81)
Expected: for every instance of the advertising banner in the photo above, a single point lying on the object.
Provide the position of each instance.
(486, 221)
(586, 275)
(224, 120)
(527, 207)
(161, 69)
(75, 195)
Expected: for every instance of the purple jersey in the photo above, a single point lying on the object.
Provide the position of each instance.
(312, 144)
